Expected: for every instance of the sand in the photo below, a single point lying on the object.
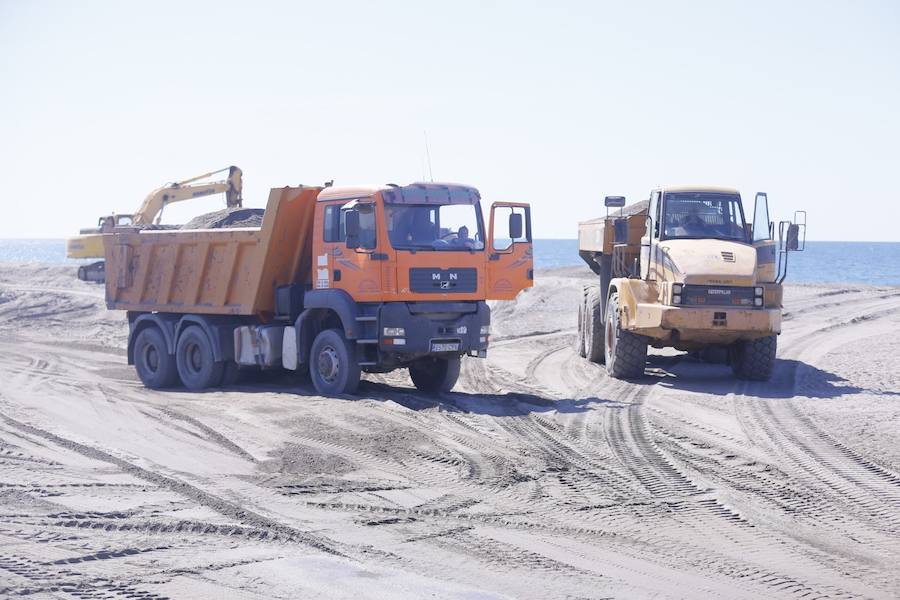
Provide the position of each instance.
(539, 477)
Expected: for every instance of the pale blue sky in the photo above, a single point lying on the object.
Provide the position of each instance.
(557, 104)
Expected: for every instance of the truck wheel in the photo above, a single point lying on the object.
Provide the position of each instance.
(152, 361)
(579, 339)
(754, 359)
(593, 327)
(197, 366)
(432, 374)
(333, 367)
(626, 352)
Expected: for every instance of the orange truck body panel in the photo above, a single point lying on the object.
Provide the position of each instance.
(213, 271)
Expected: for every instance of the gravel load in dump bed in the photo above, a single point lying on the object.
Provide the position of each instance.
(227, 218)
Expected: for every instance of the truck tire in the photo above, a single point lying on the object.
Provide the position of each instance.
(580, 347)
(333, 367)
(154, 365)
(432, 374)
(197, 366)
(754, 359)
(594, 345)
(626, 352)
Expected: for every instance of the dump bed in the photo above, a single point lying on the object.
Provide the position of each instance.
(599, 235)
(214, 271)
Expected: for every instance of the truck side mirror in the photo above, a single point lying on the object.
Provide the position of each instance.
(793, 237)
(515, 226)
(351, 226)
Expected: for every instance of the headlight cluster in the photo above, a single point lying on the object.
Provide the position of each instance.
(485, 329)
(676, 293)
(758, 292)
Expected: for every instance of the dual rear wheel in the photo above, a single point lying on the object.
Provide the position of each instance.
(193, 363)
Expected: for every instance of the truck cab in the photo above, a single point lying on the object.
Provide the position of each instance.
(415, 266)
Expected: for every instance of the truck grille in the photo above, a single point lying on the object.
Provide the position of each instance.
(717, 295)
(443, 281)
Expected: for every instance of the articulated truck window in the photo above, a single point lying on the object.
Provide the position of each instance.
(692, 215)
(434, 227)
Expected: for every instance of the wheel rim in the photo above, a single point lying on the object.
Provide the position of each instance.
(194, 356)
(328, 364)
(151, 358)
(610, 336)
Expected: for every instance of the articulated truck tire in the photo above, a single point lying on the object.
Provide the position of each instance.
(430, 374)
(579, 339)
(626, 352)
(197, 365)
(154, 365)
(754, 359)
(594, 346)
(333, 366)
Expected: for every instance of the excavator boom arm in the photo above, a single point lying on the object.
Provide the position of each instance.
(151, 208)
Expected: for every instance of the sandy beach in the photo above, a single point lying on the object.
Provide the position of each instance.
(538, 477)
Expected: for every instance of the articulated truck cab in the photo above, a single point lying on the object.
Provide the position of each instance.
(337, 281)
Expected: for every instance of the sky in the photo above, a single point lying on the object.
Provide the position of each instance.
(557, 104)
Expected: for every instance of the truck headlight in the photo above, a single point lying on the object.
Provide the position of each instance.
(676, 288)
(676, 299)
(758, 291)
(394, 332)
(758, 301)
(485, 329)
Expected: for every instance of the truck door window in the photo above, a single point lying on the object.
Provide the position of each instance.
(655, 206)
(501, 237)
(367, 226)
(334, 224)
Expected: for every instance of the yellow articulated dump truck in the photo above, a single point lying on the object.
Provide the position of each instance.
(685, 270)
(336, 281)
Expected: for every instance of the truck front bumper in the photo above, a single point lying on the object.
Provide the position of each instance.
(705, 325)
(450, 328)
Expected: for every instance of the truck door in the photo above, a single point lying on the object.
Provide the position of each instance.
(763, 239)
(650, 239)
(348, 262)
(510, 265)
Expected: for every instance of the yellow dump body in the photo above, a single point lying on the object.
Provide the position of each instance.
(214, 271)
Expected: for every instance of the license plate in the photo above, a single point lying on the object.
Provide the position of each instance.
(445, 347)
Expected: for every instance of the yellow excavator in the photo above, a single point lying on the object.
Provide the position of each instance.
(89, 242)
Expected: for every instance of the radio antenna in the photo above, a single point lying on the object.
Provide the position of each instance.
(428, 157)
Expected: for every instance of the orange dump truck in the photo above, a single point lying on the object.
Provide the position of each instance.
(336, 281)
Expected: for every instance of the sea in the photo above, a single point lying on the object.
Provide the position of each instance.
(870, 263)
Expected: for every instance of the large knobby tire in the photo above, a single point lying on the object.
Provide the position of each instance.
(196, 362)
(435, 374)
(594, 345)
(626, 352)
(333, 366)
(754, 359)
(152, 361)
(580, 348)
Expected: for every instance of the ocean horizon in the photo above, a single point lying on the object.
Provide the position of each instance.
(869, 263)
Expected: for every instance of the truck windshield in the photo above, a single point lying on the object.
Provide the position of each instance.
(699, 215)
(435, 226)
